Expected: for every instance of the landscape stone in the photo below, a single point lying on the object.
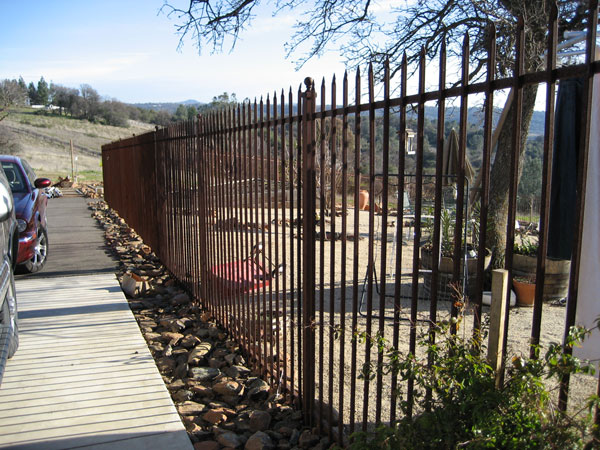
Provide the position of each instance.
(230, 439)
(227, 388)
(171, 337)
(189, 341)
(182, 396)
(258, 390)
(203, 373)
(199, 352)
(180, 299)
(166, 364)
(207, 445)
(259, 441)
(307, 439)
(190, 408)
(215, 416)
(260, 420)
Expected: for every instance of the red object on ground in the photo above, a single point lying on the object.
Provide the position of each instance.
(239, 276)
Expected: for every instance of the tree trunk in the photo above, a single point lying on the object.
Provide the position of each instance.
(500, 178)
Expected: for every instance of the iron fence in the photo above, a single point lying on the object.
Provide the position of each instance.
(260, 213)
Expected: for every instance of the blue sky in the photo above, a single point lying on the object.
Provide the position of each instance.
(128, 50)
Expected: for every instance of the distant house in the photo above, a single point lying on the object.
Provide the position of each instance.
(46, 107)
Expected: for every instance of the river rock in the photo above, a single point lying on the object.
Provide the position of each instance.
(258, 390)
(307, 439)
(190, 408)
(214, 416)
(180, 299)
(259, 441)
(230, 439)
(204, 373)
(227, 388)
(207, 445)
(260, 420)
(199, 352)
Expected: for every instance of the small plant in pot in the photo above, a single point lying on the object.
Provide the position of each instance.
(524, 287)
(556, 278)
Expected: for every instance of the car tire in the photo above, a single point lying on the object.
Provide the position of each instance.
(36, 263)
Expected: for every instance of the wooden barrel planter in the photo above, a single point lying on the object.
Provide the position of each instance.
(556, 280)
(446, 267)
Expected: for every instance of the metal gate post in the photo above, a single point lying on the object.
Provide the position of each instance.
(308, 250)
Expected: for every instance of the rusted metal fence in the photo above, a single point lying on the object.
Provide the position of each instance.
(257, 211)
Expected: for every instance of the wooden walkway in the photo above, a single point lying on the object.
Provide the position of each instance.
(83, 376)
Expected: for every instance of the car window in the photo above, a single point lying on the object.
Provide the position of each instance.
(29, 171)
(15, 177)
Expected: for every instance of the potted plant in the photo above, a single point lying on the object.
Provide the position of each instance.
(446, 264)
(524, 287)
(556, 279)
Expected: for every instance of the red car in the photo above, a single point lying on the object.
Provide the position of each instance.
(30, 207)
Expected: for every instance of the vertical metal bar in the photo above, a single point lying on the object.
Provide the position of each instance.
(485, 174)
(355, 252)
(384, 217)
(275, 166)
(211, 214)
(293, 180)
(582, 163)
(460, 254)
(228, 186)
(267, 226)
(302, 357)
(322, 179)
(417, 227)
(235, 327)
(342, 337)
(308, 250)
(244, 229)
(285, 296)
(332, 259)
(221, 211)
(256, 296)
(370, 251)
(546, 178)
(514, 170)
(399, 232)
(437, 207)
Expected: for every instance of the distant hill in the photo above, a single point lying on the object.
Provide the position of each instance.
(43, 139)
(475, 117)
(170, 107)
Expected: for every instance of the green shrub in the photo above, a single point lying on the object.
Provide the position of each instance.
(466, 410)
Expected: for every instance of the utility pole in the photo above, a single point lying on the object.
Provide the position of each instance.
(72, 162)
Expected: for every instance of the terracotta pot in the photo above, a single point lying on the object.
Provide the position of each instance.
(525, 293)
(363, 200)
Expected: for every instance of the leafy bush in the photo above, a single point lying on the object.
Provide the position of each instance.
(467, 410)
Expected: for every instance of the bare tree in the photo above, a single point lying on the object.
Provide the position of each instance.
(362, 32)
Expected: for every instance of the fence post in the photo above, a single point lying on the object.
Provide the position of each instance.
(308, 249)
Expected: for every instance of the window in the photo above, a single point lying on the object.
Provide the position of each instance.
(15, 177)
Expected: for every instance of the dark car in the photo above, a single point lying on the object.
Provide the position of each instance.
(9, 244)
(30, 209)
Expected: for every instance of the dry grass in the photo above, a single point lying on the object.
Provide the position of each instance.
(44, 141)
